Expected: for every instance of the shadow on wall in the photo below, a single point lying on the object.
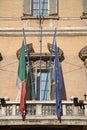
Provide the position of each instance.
(1, 58)
(63, 90)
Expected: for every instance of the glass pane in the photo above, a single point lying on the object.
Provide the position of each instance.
(34, 1)
(43, 76)
(45, 88)
(35, 6)
(40, 7)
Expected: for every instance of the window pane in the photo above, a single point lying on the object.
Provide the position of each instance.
(40, 7)
(43, 89)
(41, 86)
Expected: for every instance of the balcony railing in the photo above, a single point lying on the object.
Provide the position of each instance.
(43, 112)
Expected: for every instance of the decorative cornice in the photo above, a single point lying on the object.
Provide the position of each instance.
(46, 31)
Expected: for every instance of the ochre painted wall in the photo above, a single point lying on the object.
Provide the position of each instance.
(75, 79)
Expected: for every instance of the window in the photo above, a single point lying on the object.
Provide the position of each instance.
(43, 89)
(84, 7)
(40, 7)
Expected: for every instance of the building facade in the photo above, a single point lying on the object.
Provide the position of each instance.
(40, 19)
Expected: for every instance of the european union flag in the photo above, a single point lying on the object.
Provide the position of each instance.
(57, 77)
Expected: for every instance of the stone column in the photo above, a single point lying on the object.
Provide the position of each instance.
(39, 109)
(64, 109)
(75, 110)
(85, 110)
(13, 110)
(85, 94)
(3, 111)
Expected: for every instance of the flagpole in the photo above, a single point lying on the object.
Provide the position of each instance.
(29, 67)
(40, 42)
(49, 65)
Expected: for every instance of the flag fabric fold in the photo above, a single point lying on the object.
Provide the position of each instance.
(21, 78)
(57, 78)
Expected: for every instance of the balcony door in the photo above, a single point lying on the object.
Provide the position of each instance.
(43, 86)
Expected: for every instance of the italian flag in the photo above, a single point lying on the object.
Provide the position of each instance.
(21, 78)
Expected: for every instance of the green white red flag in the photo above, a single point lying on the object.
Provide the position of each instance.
(21, 78)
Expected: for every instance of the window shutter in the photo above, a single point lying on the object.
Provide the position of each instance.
(85, 6)
(53, 7)
(27, 7)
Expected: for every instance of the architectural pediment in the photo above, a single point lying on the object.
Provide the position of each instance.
(30, 50)
(44, 56)
(60, 51)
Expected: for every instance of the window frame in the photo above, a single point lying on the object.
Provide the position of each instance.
(51, 15)
(39, 89)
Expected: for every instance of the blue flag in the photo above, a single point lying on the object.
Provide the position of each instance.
(57, 77)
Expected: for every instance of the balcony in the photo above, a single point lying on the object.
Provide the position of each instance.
(43, 113)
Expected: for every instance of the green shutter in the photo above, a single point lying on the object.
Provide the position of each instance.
(53, 7)
(85, 6)
(27, 7)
